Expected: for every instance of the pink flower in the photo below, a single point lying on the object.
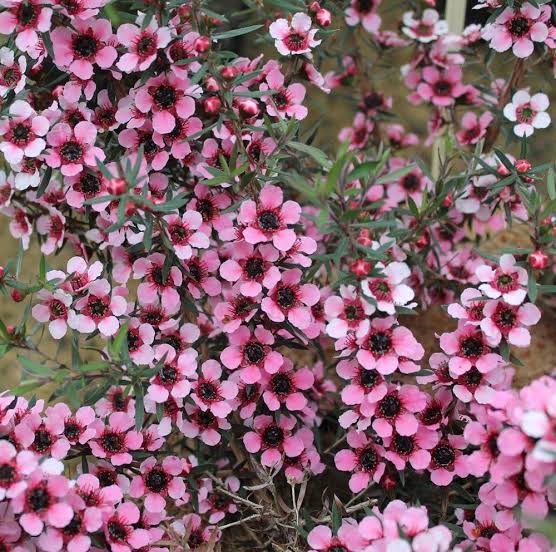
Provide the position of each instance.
(347, 313)
(173, 377)
(251, 352)
(274, 439)
(508, 281)
(253, 268)
(25, 18)
(54, 309)
(209, 393)
(70, 149)
(469, 348)
(286, 101)
(414, 449)
(142, 43)
(203, 424)
(286, 387)
(518, 28)
(389, 291)
(12, 72)
(76, 427)
(43, 435)
(441, 88)
(321, 539)
(268, 219)
(217, 504)
(291, 300)
(157, 481)
(384, 344)
(529, 112)
(427, 29)
(473, 127)
(165, 97)
(510, 322)
(363, 459)
(447, 461)
(22, 133)
(156, 282)
(17, 466)
(98, 310)
(42, 502)
(183, 233)
(397, 410)
(88, 43)
(119, 529)
(115, 440)
(294, 37)
(364, 12)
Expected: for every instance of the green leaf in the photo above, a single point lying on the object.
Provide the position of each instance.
(532, 288)
(236, 32)
(118, 347)
(336, 517)
(44, 181)
(550, 184)
(318, 155)
(35, 367)
(395, 175)
(364, 170)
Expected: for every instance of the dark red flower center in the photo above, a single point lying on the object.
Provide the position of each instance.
(389, 406)
(281, 384)
(273, 435)
(519, 26)
(72, 151)
(443, 455)
(254, 352)
(85, 45)
(368, 459)
(112, 442)
(379, 343)
(156, 480)
(269, 220)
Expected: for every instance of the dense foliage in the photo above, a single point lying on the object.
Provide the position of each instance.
(236, 365)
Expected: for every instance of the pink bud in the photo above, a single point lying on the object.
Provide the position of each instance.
(324, 17)
(229, 72)
(522, 165)
(116, 186)
(202, 44)
(538, 260)
(212, 105)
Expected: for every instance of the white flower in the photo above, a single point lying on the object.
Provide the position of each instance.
(426, 29)
(528, 111)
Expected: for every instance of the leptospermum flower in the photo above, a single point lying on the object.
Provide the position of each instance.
(286, 387)
(510, 322)
(173, 377)
(17, 465)
(468, 348)
(289, 299)
(86, 43)
(165, 97)
(252, 353)
(347, 313)
(116, 439)
(294, 37)
(285, 101)
(447, 460)
(184, 233)
(202, 424)
(157, 283)
(413, 449)
(42, 501)
(54, 309)
(120, 531)
(273, 438)
(364, 12)
(22, 133)
(12, 72)
(518, 28)
(321, 539)
(508, 282)
(157, 481)
(27, 19)
(384, 344)
(99, 309)
(253, 268)
(71, 148)
(441, 88)
(142, 44)
(209, 393)
(269, 217)
(529, 112)
(473, 128)
(364, 459)
(389, 292)
(425, 30)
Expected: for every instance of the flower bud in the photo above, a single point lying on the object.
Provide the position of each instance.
(314, 7)
(211, 85)
(202, 44)
(522, 165)
(423, 240)
(228, 73)
(248, 106)
(212, 105)
(324, 17)
(538, 260)
(17, 295)
(360, 268)
(448, 201)
(116, 186)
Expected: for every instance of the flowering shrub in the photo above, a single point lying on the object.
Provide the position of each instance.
(237, 367)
